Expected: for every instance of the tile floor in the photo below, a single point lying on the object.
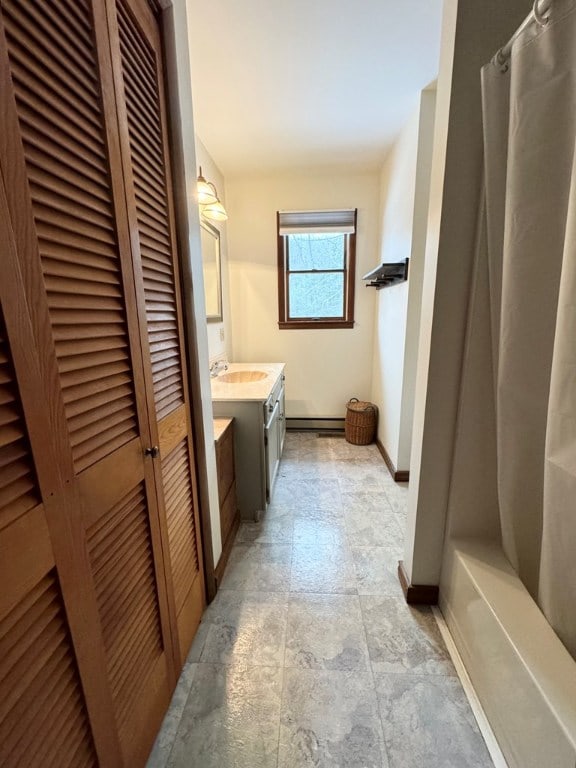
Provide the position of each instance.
(309, 656)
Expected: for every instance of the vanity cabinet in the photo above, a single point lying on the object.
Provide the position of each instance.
(225, 467)
(259, 429)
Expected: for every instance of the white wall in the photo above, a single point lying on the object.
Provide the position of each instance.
(324, 368)
(180, 92)
(404, 192)
(397, 186)
(217, 346)
(416, 276)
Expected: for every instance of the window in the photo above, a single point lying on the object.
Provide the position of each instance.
(316, 260)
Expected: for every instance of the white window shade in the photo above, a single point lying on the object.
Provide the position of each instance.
(300, 222)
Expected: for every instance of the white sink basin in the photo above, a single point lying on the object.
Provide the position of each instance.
(241, 377)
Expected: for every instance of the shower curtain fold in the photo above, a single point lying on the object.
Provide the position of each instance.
(529, 109)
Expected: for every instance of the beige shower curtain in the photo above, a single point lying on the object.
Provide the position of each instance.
(529, 109)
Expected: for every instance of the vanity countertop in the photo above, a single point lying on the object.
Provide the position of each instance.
(247, 390)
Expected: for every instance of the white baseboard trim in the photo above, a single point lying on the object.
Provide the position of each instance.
(475, 705)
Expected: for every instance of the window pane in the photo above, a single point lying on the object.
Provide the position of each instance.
(316, 251)
(316, 295)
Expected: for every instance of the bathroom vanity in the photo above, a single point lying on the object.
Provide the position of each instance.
(253, 395)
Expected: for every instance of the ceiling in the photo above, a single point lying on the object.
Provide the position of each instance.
(283, 84)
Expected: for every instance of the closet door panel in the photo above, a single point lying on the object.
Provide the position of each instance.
(41, 535)
(153, 237)
(126, 573)
(76, 231)
(121, 554)
(184, 547)
(147, 173)
(43, 715)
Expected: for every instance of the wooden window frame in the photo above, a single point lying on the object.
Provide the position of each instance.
(347, 320)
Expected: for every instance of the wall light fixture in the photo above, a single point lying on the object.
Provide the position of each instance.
(210, 205)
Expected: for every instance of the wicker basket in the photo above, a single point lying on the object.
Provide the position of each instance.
(360, 424)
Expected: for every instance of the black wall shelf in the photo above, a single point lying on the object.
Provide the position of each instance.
(387, 274)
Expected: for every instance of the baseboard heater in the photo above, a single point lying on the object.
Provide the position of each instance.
(315, 425)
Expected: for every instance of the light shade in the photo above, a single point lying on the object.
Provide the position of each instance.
(206, 191)
(215, 211)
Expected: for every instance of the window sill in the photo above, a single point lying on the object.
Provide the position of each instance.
(294, 325)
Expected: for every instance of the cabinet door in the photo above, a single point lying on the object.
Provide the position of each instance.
(136, 44)
(271, 440)
(69, 306)
(282, 420)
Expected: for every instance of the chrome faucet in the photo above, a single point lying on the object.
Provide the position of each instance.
(217, 366)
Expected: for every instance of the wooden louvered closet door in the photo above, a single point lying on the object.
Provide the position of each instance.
(135, 38)
(98, 542)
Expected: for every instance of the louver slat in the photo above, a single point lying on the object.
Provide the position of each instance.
(43, 720)
(180, 517)
(56, 83)
(58, 24)
(147, 160)
(120, 550)
(18, 486)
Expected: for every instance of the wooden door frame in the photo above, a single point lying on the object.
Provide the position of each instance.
(183, 220)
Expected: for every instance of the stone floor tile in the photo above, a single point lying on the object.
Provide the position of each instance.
(248, 626)
(367, 470)
(343, 451)
(366, 499)
(371, 481)
(320, 494)
(231, 718)
(308, 470)
(304, 510)
(322, 569)
(276, 509)
(428, 722)
(370, 521)
(376, 571)
(404, 638)
(326, 632)
(397, 495)
(329, 720)
(271, 529)
(313, 530)
(258, 567)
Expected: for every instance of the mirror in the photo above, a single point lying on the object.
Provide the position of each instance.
(210, 241)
